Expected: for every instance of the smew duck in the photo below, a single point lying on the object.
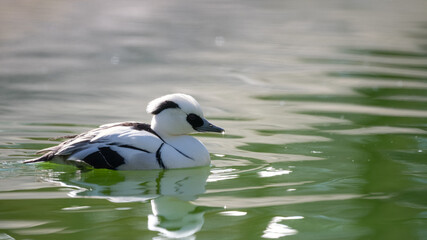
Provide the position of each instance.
(163, 144)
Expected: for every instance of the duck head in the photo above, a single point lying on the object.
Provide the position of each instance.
(178, 114)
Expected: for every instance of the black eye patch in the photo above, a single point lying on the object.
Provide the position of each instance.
(194, 120)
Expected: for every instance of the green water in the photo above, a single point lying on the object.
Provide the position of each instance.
(324, 105)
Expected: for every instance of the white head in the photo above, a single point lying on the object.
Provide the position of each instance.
(178, 114)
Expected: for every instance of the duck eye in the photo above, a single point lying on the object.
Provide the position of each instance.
(194, 120)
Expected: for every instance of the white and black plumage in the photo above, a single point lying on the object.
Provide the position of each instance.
(130, 145)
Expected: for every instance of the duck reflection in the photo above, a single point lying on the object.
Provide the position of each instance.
(175, 218)
(169, 193)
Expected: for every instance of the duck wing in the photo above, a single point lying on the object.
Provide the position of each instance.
(108, 146)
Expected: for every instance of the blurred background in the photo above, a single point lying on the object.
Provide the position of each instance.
(324, 105)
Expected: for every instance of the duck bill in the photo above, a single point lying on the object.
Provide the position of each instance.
(209, 127)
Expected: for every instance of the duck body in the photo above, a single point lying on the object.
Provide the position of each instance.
(163, 144)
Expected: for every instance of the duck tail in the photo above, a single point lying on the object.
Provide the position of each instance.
(45, 158)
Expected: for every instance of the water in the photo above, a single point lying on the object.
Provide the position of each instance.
(323, 102)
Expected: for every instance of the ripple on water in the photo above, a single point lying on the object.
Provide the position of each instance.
(233, 202)
(387, 53)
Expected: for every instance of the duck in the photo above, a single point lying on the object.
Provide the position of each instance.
(165, 143)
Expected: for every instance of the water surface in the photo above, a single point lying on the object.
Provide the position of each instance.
(324, 106)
